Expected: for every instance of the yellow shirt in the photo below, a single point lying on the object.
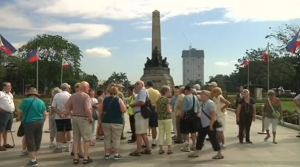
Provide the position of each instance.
(178, 103)
(130, 101)
(154, 95)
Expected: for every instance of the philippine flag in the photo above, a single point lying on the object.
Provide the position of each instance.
(266, 55)
(66, 64)
(244, 62)
(6, 46)
(33, 56)
(294, 44)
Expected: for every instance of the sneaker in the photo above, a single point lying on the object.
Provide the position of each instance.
(185, 149)
(117, 156)
(154, 145)
(193, 148)
(107, 156)
(57, 150)
(52, 145)
(67, 149)
(32, 164)
(24, 153)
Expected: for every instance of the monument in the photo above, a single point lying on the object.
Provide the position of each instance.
(157, 68)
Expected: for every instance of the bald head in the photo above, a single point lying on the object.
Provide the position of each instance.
(139, 85)
(84, 86)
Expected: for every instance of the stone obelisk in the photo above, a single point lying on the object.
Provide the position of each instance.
(157, 69)
(156, 35)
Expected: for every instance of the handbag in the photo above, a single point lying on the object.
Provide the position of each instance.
(146, 108)
(95, 115)
(21, 131)
(275, 113)
(190, 114)
(216, 124)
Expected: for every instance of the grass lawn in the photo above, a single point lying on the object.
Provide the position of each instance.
(286, 105)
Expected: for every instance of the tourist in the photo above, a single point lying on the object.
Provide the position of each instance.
(141, 124)
(33, 113)
(80, 104)
(101, 96)
(62, 119)
(173, 101)
(121, 96)
(208, 118)
(297, 103)
(130, 112)
(211, 86)
(239, 96)
(221, 106)
(198, 89)
(52, 119)
(246, 113)
(94, 112)
(273, 113)
(153, 122)
(190, 108)
(177, 108)
(7, 107)
(112, 108)
(164, 115)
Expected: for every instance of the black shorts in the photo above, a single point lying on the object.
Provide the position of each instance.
(190, 126)
(63, 125)
(153, 121)
(6, 121)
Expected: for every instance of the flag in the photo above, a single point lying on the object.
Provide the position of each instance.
(66, 64)
(6, 46)
(266, 55)
(244, 62)
(294, 43)
(33, 56)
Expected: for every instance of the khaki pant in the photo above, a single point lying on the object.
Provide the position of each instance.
(141, 124)
(112, 135)
(174, 122)
(165, 129)
(82, 129)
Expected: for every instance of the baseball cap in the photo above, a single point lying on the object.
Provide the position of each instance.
(120, 86)
(212, 84)
(149, 83)
(187, 88)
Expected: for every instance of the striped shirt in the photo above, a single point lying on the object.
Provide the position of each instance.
(80, 103)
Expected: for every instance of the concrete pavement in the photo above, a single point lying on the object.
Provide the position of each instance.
(261, 154)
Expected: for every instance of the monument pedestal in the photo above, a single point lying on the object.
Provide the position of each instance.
(160, 76)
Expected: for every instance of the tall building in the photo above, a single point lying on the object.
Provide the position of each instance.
(193, 65)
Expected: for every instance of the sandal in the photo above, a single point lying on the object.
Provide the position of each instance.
(8, 146)
(170, 152)
(135, 154)
(274, 142)
(87, 161)
(193, 155)
(161, 151)
(2, 148)
(218, 157)
(267, 137)
(75, 161)
(146, 151)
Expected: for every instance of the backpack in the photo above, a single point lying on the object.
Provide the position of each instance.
(146, 108)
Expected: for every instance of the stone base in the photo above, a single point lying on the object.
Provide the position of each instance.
(160, 76)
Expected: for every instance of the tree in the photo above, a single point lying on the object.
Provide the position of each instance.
(194, 82)
(52, 49)
(117, 78)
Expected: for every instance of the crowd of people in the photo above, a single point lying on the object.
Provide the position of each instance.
(188, 112)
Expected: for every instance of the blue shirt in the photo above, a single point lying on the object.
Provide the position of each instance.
(173, 101)
(35, 112)
(187, 103)
(141, 97)
(113, 113)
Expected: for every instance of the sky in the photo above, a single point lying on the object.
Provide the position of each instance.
(115, 35)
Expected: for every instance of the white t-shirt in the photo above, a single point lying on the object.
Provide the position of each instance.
(94, 101)
(59, 101)
(219, 106)
(7, 102)
(298, 99)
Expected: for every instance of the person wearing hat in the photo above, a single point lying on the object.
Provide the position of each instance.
(121, 96)
(33, 114)
(154, 95)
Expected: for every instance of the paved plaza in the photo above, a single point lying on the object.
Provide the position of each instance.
(285, 154)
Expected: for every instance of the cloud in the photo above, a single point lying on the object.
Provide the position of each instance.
(17, 45)
(221, 63)
(150, 39)
(99, 52)
(233, 61)
(144, 27)
(134, 9)
(133, 40)
(143, 39)
(212, 23)
(13, 18)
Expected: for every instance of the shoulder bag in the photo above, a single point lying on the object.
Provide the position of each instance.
(216, 124)
(275, 114)
(21, 131)
(190, 114)
(103, 113)
(100, 129)
(146, 108)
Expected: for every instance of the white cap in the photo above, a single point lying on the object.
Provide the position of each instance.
(197, 86)
(213, 84)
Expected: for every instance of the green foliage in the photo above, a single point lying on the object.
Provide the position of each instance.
(194, 82)
(117, 78)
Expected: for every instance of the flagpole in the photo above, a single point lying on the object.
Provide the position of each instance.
(268, 86)
(248, 80)
(61, 71)
(37, 70)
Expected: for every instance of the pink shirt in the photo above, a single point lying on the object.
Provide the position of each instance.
(80, 103)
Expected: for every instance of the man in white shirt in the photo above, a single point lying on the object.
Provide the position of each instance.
(7, 107)
(62, 118)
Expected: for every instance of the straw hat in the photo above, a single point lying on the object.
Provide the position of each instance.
(32, 91)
